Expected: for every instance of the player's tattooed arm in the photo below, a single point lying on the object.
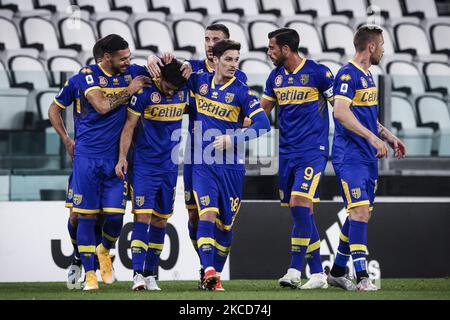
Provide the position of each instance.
(104, 104)
(395, 143)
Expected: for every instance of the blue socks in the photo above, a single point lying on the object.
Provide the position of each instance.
(86, 242)
(313, 251)
(301, 234)
(223, 246)
(358, 247)
(155, 246)
(111, 229)
(139, 245)
(206, 243)
(343, 251)
(73, 238)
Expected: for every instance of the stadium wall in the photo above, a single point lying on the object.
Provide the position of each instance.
(406, 240)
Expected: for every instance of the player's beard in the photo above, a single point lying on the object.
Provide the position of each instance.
(375, 60)
(279, 62)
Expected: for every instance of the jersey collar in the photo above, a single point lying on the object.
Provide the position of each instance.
(353, 62)
(207, 67)
(296, 69)
(103, 70)
(213, 84)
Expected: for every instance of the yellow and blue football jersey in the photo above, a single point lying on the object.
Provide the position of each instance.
(220, 109)
(356, 86)
(303, 117)
(157, 140)
(98, 135)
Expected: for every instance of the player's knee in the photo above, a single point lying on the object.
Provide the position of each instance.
(299, 201)
(73, 218)
(193, 217)
(158, 222)
(360, 213)
(142, 217)
(208, 216)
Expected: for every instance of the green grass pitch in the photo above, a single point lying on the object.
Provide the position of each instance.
(398, 289)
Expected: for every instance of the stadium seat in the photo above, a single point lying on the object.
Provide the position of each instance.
(237, 33)
(342, 44)
(258, 31)
(418, 140)
(285, 10)
(257, 71)
(59, 64)
(26, 8)
(211, 9)
(11, 40)
(52, 140)
(101, 9)
(406, 77)
(175, 10)
(440, 38)
(139, 10)
(376, 71)
(413, 39)
(423, 9)
(320, 10)
(434, 112)
(310, 42)
(159, 40)
(79, 33)
(248, 10)
(355, 9)
(391, 10)
(54, 5)
(189, 35)
(41, 33)
(334, 66)
(437, 75)
(28, 69)
(112, 25)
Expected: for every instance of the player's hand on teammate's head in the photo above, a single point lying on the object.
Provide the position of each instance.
(121, 168)
(222, 142)
(139, 82)
(153, 66)
(186, 69)
(167, 58)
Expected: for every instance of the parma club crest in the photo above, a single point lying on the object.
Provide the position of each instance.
(155, 97)
(77, 199)
(229, 97)
(102, 81)
(364, 82)
(279, 80)
(356, 193)
(205, 200)
(203, 89)
(128, 78)
(304, 79)
(140, 200)
(181, 95)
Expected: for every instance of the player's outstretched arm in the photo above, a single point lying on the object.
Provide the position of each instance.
(345, 116)
(154, 64)
(125, 142)
(103, 104)
(395, 143)
(54, 114)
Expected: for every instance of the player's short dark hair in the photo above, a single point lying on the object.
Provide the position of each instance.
(171, 73)
(221, 46)
(97, 51)
(219, 27)
(364, 35)
(112, 43)
(286, 36)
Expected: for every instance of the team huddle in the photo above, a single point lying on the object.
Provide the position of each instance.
(127, 121)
